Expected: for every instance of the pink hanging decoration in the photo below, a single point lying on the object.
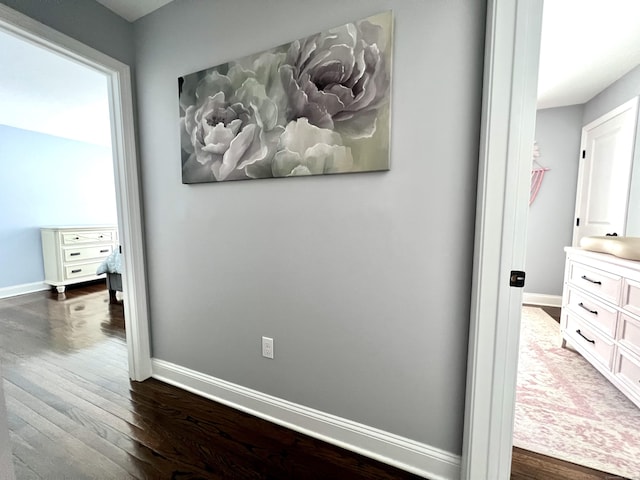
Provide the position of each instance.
(537, 174)
(536, 181)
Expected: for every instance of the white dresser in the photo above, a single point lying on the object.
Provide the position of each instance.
(601, 315)
(72, 254)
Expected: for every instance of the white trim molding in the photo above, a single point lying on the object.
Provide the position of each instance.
(127, 182)
(542, 299)
(15, 290)
(506, 139)
(386, 447)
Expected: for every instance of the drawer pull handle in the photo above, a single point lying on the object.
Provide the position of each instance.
(586, 338)
(597, 282)
(74, 254)
(104, 251)
(77, 270)
(595, 312)
(76, 238)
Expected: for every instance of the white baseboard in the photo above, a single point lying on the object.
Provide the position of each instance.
(22, 289)
(542, 299)
(386, 447)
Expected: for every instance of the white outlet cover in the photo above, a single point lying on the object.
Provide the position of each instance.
(267, 347)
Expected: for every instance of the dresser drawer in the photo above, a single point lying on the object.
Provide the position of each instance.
(589, 340)
(74, 238)
(82, 270)
(627, 371)
(631, 296)
(602, 284)
(629, 333)
(87, 253)
(599, 314)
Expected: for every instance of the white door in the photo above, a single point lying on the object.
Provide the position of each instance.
(605, 172)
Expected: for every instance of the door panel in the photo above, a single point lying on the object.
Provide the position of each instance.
(605, 173)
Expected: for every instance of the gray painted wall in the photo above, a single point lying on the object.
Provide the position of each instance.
(613, 96)
(86, 21)
(6, 465)
(550, 225)
(363, 280)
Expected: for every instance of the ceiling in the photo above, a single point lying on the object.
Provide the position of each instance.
(44, 92)
(133, 10)
(586, 46)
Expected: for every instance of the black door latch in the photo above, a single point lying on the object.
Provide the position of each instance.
(516, 279)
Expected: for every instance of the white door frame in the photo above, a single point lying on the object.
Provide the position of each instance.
(125, 172)
(506, 146)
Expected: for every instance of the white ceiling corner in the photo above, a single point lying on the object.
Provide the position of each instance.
(132, 10)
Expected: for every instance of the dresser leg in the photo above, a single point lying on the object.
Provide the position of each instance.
(61, 288)
(564, 343)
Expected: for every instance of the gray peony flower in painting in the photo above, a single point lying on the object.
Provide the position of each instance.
(319, 105)
(338, 78)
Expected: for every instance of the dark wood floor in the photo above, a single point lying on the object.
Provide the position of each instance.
(533, 466)
(553, 312)
(73, 414)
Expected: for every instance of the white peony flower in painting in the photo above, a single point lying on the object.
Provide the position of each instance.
(309, 150)
(319, 105)
(232, 127)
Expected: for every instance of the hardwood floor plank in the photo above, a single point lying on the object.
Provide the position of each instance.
(122, 398)
(93, 433)
(103, 376)
(42, 435)
(27, 447)
(528, 465)
(61, 401)
(23, 471)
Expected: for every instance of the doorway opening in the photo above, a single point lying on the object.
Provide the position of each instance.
(125, 168)
(137, 361)
(552, 222)
(56, 147)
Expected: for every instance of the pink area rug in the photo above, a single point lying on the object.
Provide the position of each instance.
(566, 409)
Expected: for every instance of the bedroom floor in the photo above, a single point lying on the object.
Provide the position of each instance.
(565, 408)
(74, 414)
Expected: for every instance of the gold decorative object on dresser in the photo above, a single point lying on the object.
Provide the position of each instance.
(72, 254)
(601, 315)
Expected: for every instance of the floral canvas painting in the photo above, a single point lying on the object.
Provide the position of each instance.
(318, 105)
